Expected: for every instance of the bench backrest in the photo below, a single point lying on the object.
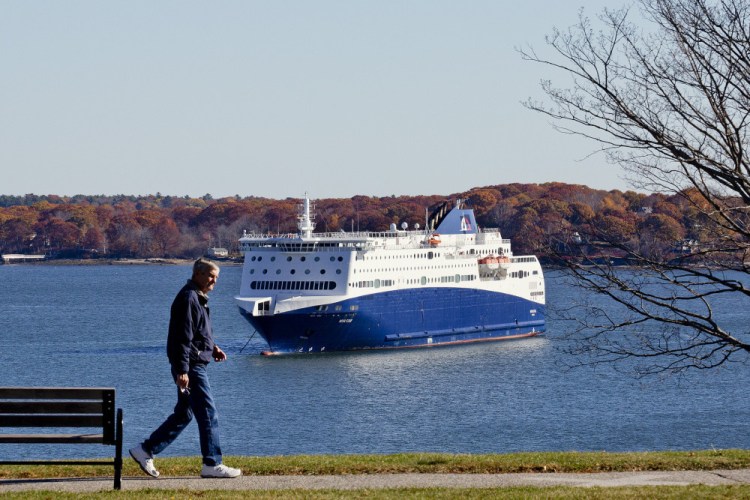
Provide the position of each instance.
(59, 407)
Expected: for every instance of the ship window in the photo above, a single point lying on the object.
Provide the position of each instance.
(341, 259)
(322, 271)
(253, 259)
(272, 259)
(292, 271)
(338, 271)
(278, 271)
(423, 281)
(260, 257)
(289, 259)
(333, 258)
(302, 259)
(354, 307)
(317, 259)
(265, 271)
(252, 271)
(430, 255)
(307, 271)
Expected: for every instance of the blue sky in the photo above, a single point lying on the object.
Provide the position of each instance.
(278, 98)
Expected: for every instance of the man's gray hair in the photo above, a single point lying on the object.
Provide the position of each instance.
(203, 266)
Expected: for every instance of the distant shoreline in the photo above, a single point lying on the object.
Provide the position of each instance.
(118, 262)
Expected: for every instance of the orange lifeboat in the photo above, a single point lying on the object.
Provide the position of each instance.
(434, 240)
(494, 261)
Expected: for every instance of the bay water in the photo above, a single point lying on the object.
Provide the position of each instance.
(106, 326)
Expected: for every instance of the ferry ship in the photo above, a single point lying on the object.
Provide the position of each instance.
(448, 283)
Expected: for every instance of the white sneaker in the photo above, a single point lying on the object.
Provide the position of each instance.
(144, 460)
(220, 470)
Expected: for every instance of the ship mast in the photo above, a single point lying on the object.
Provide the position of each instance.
(305, 222)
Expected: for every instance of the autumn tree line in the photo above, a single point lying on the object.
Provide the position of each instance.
(540, 218)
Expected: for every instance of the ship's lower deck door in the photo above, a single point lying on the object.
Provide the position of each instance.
(263, 308)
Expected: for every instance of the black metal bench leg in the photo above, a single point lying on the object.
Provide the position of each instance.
(118, 450)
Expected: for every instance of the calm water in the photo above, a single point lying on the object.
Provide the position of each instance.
(106, 326)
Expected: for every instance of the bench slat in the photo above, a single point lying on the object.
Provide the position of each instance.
(51, 438)
(54, 392)
(58, 407)
(51, 421)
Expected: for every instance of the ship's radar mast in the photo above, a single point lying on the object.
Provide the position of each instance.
(305, 222)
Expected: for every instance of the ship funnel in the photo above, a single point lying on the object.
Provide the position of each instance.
(305, 222)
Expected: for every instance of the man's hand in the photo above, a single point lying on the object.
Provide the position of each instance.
(182, 381)
(218, 354)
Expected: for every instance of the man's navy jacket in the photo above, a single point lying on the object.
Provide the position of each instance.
(190, 340)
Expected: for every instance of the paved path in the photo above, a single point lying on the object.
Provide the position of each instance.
(348, 482)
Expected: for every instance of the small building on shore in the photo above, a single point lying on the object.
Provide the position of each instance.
(9, 258)
(218, 253)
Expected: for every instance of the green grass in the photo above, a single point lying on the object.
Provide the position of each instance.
(417, 462)
(560, 492)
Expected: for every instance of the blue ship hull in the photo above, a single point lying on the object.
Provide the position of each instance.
(401, 319)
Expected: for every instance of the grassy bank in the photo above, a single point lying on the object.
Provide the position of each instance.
(419, 462)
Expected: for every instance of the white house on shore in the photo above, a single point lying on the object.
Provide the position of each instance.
(218, 253)
(19, 257)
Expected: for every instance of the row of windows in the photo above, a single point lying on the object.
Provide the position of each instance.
(293, 271)
(537, 294)
(303, 258)
(422, 281)
(427, 255)
(337, 307)
(416, 268)
(372, 283)
(293, 285)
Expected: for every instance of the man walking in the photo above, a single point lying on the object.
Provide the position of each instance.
(190, 348)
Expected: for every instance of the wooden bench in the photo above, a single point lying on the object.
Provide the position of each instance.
(63, 407)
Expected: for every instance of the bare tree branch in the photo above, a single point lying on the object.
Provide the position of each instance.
(669, 101)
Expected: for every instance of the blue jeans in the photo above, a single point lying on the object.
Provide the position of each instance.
(198, 403)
